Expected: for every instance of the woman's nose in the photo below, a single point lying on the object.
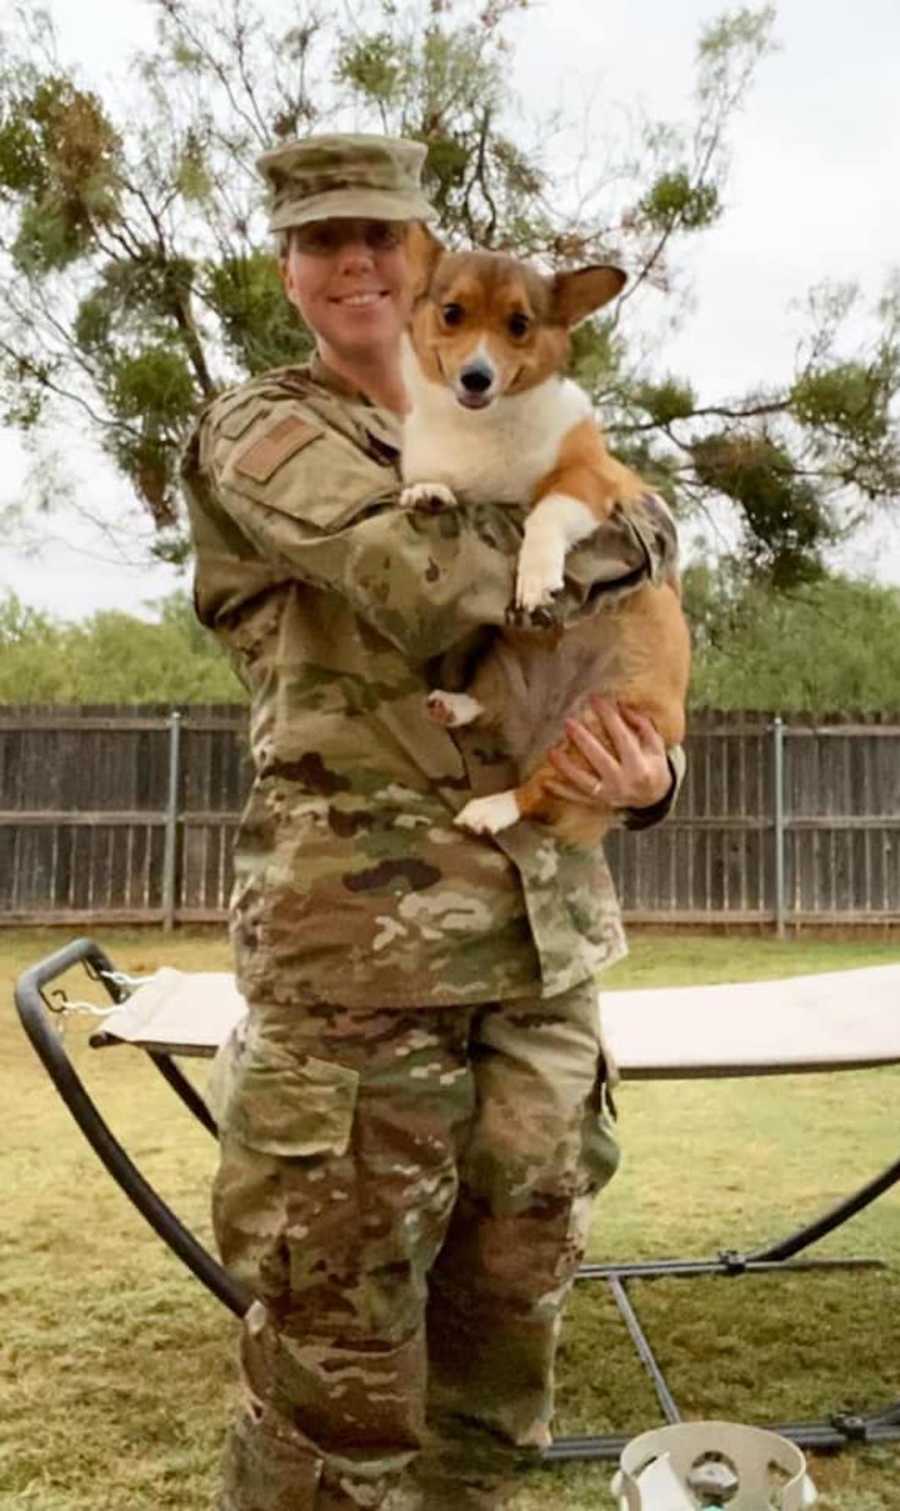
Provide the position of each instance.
(355, 254)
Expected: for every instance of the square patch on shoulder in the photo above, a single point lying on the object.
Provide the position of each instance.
(264, 456)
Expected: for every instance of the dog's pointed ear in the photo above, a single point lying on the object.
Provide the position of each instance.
(578, 294)
(423, 253)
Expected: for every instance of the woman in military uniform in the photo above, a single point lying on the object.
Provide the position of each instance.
(413, 1122)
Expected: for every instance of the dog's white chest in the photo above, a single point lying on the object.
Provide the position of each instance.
(493, 455)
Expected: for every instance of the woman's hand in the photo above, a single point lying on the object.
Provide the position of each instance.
(636, 775)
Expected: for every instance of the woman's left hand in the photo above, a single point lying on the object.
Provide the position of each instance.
(637, 775)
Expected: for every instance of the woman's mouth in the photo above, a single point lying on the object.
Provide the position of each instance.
(360, 301)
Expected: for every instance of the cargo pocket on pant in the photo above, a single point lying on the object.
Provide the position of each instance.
(599, 1146)
(291, 1105)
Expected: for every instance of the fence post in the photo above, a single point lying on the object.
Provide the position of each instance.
(170, 856)
(778, 828)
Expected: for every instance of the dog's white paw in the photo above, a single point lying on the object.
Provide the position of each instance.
(488, 815)
(453, 709)
(428, 496)
(540, 573)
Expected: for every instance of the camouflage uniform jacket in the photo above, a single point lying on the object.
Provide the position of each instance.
(352, 883)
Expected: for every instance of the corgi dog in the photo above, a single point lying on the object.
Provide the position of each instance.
(492, 419)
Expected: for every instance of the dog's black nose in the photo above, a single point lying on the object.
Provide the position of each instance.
(476, 379)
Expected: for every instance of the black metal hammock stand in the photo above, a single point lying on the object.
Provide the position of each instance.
(872, 1038)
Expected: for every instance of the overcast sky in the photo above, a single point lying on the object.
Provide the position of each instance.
(813, 193)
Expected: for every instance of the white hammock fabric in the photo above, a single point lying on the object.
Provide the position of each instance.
(844, 1020)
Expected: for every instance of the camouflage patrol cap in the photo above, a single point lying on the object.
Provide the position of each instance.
(345, 177)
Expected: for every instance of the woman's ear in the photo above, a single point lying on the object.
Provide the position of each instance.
(282, 255)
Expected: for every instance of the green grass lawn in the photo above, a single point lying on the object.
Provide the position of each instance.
(115, 1363)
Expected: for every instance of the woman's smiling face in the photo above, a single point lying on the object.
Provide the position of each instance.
(349, 281)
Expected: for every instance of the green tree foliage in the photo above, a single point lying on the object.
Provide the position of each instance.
(111, 658)
(138, 277)
(785, 522)
(826, 647)
(830, 646)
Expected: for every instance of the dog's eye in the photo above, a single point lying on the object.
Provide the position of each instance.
(518, 324)
(453, 314)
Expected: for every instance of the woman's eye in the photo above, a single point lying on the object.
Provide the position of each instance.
(518, 324)
(315, 240)
(383, 237)
(453, 314)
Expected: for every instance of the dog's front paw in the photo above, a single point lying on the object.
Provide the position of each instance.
(535, 619)
(488, 815)
(540, 573)
(431, 497)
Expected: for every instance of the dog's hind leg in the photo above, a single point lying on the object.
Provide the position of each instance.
(488, 815)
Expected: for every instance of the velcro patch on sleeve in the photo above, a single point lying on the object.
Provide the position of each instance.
(265, 455)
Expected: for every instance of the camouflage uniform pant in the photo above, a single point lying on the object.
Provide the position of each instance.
(407, 1194)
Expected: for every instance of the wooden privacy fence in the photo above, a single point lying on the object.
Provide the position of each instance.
(127, 815)
(117, 814)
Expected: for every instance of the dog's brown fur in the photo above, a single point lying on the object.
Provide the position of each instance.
(636, 652)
